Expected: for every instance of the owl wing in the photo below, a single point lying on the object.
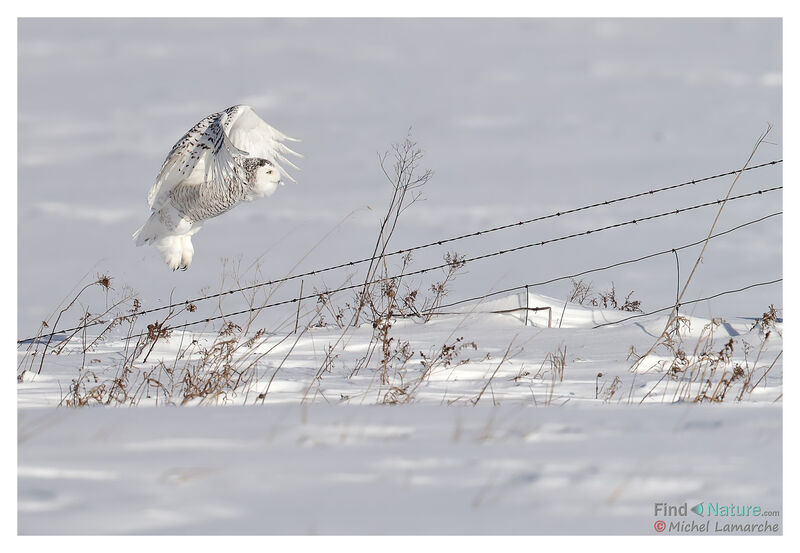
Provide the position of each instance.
(249, 132)
(206, 147)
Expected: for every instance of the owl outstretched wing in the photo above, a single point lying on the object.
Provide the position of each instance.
(249, 132)
(203, 156)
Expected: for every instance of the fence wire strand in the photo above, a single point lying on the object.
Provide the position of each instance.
(611, 266)
(698, 300)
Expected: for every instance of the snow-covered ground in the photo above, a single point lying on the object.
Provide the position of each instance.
(288, 364)
(500, 440)
(324, 469)
(477, 422)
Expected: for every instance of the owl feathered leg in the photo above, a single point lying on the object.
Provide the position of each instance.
(171, 248)
(171, 235)
(187, 251)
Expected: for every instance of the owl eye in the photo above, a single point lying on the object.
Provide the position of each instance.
(269, 172)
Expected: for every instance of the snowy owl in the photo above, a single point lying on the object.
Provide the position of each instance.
(227, 158)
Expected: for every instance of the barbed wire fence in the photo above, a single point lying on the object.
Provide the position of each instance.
(689, 302)
(350, 264)
(609, 266)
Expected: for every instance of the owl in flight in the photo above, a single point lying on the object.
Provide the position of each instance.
(227, 158)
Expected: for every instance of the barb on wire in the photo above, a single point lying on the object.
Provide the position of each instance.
(698, 300)
(424, 246)
(477, 258)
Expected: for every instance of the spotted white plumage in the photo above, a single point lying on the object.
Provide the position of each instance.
(227, 158)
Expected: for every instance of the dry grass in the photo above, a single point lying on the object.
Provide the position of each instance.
(582, 292)
(397, 366)
(708, 371)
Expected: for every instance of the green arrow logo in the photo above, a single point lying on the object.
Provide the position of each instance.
(698, 509)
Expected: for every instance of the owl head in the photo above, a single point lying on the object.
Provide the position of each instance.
(264, 177)
(266, 173)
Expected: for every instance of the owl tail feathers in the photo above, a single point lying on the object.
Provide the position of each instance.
(138, 238)
(148, 232)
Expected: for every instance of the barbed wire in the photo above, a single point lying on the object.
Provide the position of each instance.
(691, 301)
(465, 260)
(611, 266)
(482, 232)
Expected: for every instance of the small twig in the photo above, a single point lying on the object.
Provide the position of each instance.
(299, 300)
(500, 364)
(765, 372)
